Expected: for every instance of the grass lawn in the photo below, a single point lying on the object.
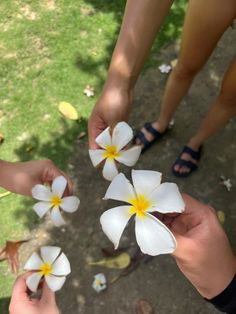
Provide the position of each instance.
(49, 51)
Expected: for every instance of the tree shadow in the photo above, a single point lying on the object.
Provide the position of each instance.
(4, 305)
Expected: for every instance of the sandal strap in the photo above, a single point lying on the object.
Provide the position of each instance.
(187, 163)
(141, 136)
(148, 126)
(194, 154)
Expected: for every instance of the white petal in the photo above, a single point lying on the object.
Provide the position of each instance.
(70, 204)
(41, 192)
(34, 262)
(96, 156)
(120, 189)
(57, 217)
(41, 208)
(121, 135)
(145, 181)
(61, 267)
(109, 170)
(32, 281)
(129, 157)
(104, 138)
(59, 185)
(153, 237)
(55, 283)
(49, 253)
(113, 223)
(167, 198)
(99, 282)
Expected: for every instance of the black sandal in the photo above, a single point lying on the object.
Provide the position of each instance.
(141, 136)
(187, 163)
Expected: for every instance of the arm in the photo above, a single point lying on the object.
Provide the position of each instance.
(20, 177)
(203, 253)
(142, 21)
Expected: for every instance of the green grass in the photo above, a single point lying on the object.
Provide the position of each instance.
(49, 54)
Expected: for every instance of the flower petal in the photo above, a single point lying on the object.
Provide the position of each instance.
(153, 237)
(122, 134)
(70, 204)
(167, 199)
(120, 189)
(113, 223)
(49, 253)
(57, 217)
(145, 181)
(104, 138)
(109, 170)
(55, 283)
(96, 156)
(32, 281)
(41, 192)
(130, 156)
(34, 262)
(41, 208)
(59, 185)
(61, 267)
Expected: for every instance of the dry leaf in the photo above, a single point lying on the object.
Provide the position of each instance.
(5, 194)
(81, 135)
(143, 307)
(119, 262)
(10, 253)
(68, 111)
(221, 216)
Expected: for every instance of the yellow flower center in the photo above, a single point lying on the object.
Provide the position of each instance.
(56, 201)
(111, 152)
(46, 269)
(140, 204)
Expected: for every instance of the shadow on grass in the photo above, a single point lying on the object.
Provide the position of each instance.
(4, 304)
(169, 32)
(59, 149)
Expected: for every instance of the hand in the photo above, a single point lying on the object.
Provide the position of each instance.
(21, 302)
(20, 177)
(113, 106)
(203, 252)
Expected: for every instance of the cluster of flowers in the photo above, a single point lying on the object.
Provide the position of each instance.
(145, 196)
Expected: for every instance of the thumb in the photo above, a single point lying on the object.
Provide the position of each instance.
(20, 288)
(48, 296)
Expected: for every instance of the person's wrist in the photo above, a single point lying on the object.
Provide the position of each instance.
(118, 79)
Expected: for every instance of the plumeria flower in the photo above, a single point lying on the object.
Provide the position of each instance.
(51, 199)
(164, 68)
(100, 282)
(50, 265)
(111, 149)
(145, 196)
(89, 91)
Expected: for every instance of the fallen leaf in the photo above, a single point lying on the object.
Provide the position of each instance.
(68, 111)
(81, 135)
(143, 307)
(2, 138)
(10, 253)
(221, 216)
(173, 63)
(119, 262)
(5, 194)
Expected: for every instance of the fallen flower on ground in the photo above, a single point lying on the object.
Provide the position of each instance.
(100, 282)
(226, 182)
(112, 149)
(164, 68)
(145, 196)
(51, 265)
(51, 199)
(89, 91)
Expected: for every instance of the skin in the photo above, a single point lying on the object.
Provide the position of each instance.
(203, 24)
(21, 302)
(12, 175)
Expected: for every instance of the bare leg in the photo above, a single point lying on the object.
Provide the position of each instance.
(222, 109)
(205, 22)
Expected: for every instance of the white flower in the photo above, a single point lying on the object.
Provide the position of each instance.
(164, 68)
(226, 182)
(112, 149)
(52, 199)
(89, 91)
(99, 282)
(145, 196)
(50, 265)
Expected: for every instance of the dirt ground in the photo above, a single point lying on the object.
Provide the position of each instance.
(157, 280)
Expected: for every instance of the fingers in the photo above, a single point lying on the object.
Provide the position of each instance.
(20, 289)
(95, 127)
(47, 295)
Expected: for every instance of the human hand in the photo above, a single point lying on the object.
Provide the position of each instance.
(20, 177)
(113, 106)
(22, 303)
(203, 252)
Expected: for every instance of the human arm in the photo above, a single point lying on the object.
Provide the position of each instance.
(20, 177)
(203, 253)
(142, 21)
(22, 303)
